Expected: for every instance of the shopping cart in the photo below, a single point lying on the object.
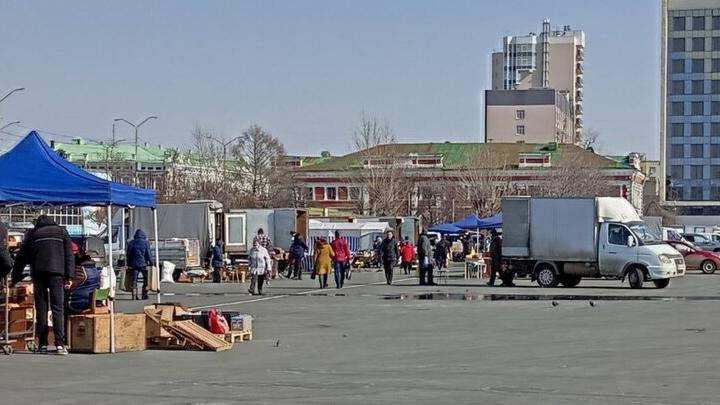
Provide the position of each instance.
(26, 326)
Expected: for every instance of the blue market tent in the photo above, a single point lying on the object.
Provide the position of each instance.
(472, 221)
(34, 174)
(445, 228)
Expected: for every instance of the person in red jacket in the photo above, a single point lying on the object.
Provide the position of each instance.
(407, 255)
(342, 258)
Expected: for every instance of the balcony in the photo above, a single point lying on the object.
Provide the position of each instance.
(579, 68)
(579, 95)
(578, 122)
(579, 82)
(580, 56)
(578, 109)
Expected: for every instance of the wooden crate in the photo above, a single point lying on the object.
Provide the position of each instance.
(91, 333)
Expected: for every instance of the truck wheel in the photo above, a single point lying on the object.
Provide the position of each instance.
(708, 267)
(570, 280)
(546, 277)
(635, 277)
(661, 283)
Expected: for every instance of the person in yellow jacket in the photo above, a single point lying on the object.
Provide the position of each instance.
(323, 261)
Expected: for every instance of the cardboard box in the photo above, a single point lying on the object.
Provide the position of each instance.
(241, 322)
(91, 333)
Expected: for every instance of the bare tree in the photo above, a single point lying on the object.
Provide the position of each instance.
(573, 176)
(485, 180)
(589, 139)
(261, 154)
(385, 186)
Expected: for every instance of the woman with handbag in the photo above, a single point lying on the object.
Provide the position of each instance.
(323, 261)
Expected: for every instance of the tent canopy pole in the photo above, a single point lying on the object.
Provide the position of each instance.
(112, 269)
(157, 250)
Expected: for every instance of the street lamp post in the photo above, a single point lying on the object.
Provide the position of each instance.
(9, 93)
(224, 144)
(136, 126)
(8, 124)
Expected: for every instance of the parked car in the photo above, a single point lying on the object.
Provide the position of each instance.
(702, 241)
(697, 259)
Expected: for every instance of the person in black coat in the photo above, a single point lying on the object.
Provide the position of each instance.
(6, 263)
(389, 253)
(138, 259)
(48, 250)
(298, 248)
(424, 253)
(442, 248)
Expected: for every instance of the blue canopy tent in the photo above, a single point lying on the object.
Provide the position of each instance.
(35, 175)
(472, 221)
(446, 228)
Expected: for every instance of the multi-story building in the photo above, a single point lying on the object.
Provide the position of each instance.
(528, 116)
(551, 60)
(690, 105)
(426, 178)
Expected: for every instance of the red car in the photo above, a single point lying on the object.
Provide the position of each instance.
(696, 258)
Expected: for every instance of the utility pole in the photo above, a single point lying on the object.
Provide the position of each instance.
(136, 126)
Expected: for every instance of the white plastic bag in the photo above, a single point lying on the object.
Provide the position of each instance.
(168, 269)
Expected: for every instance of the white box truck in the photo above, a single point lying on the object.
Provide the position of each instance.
(561, 240)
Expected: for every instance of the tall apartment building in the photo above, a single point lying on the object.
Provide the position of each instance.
(551, 60)
(690, 105)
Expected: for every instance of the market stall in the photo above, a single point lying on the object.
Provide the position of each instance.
(36, 176)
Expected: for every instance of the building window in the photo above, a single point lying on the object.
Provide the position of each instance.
(678, 108)
(331, 193)
(676, 172)
(678, 44)
(307, 194)
(716, 44)
(520, 130)
(696, 129)
(715, 65)
(698, 86)
(319, 193)
(676, 151)
(677, 129)
(696, 193)
(715, 87)
(716, 22)
(678, 66)
(698, 23)
(698, 66)
(678, 24)
(715, 108)
(354, 193)
(698, 44)
(342, 193)
(678, 87)
(715, 172)
(696, 172)
(715, 151)
(519, 114)
(715, 129)
(714, 193)
(697, 108)
(696, 150)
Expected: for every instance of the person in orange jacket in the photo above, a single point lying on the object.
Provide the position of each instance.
(407, 255)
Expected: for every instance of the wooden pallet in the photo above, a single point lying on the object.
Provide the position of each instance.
(195, 336)
(236, 335)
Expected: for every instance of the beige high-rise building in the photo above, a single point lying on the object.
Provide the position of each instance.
(551, 60)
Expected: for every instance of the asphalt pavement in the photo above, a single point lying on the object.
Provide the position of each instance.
(369, 343)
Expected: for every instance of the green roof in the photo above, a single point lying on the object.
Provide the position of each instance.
(455, 155)
(98, 152)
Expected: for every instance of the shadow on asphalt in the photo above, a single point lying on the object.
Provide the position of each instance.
(543, 297)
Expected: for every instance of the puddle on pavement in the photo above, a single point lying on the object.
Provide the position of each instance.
(543, 297)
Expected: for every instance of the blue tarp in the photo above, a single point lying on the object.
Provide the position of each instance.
(34, 174)
(472, 221)
(445, 228)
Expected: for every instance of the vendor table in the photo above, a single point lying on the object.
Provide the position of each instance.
(474, 266)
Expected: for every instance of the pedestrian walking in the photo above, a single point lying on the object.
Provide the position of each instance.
(48, 250)
(342, 258)
(298, 248)
(259, 264)
(496, 261)
(265, 242)
(323, 261)
(389, 254)
(442, 248)
(424, 252)
(218, 260)
(407, 255)
(376, 250)
(138, 259)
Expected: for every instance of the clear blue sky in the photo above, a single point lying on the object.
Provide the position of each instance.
(306, 70)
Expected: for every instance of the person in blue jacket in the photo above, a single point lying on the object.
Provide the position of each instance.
(218, 261)
(138, 259)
